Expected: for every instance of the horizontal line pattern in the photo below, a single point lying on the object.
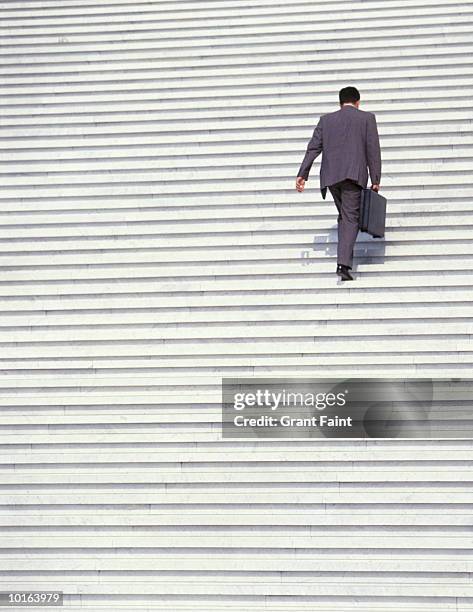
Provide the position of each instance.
(151, 242)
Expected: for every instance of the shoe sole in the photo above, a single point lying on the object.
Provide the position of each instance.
(344, 278)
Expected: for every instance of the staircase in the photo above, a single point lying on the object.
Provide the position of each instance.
(152, 242)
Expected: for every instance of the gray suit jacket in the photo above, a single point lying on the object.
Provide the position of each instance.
(349, 142)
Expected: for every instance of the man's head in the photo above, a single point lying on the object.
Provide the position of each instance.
(349, 94)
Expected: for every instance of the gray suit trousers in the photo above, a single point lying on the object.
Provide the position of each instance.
(347, 198)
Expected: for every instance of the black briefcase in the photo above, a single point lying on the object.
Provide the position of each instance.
(372, 213)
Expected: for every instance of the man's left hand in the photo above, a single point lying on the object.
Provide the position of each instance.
(300, 183)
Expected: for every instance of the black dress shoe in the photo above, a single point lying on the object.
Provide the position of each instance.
(343, 272)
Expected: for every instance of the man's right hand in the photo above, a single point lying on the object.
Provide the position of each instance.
(375, 187)
(300, 183)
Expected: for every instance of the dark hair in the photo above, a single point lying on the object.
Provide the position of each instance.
(349, 94)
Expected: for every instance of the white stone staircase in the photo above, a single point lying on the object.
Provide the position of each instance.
(152, 242)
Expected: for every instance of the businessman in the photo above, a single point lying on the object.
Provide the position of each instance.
(349, 142)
